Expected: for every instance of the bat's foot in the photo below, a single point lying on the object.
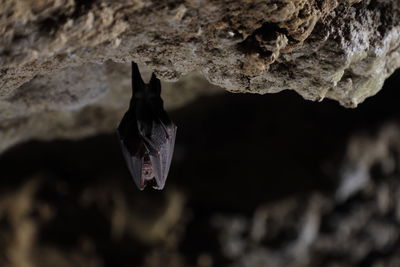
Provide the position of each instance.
(149, 182)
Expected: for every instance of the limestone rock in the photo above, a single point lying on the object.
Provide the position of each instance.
(91, 106)
(55, 56)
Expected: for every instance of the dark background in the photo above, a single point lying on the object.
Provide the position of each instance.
(234, 152)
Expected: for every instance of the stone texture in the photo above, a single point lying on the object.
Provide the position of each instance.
(51, 53)
(315, 230)
(26, 209)
(91, 106)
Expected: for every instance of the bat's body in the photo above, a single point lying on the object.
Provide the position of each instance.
(146, 133)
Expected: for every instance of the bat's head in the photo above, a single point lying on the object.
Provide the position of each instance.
(148, 175)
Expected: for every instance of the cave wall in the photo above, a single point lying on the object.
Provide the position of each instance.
(59, 60)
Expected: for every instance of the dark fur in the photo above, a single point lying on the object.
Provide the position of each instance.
(147, 131)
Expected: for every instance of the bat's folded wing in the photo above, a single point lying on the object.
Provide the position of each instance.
(134, 163)
(164, 141)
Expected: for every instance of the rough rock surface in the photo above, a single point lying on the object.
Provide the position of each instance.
(338, 49)
(314, 230)
(51, 52)
(91, 106)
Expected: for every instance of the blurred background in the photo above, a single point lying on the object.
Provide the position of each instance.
(270, 180)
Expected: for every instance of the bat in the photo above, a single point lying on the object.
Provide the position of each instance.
(146, 133)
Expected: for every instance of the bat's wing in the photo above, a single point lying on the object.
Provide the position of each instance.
(129, 135)
(147, 130)
(134, 161)
(162, 142)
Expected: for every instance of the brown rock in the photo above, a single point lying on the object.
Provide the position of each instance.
(51, 53)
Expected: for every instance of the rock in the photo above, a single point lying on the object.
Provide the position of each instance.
(30, 207)
(317, 229)
(51, 54)
(367, 154)
(73, 110)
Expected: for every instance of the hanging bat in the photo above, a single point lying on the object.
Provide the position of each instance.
(146, 133)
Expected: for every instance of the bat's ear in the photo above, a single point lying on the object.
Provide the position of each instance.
(154, 85)
(137, 81)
